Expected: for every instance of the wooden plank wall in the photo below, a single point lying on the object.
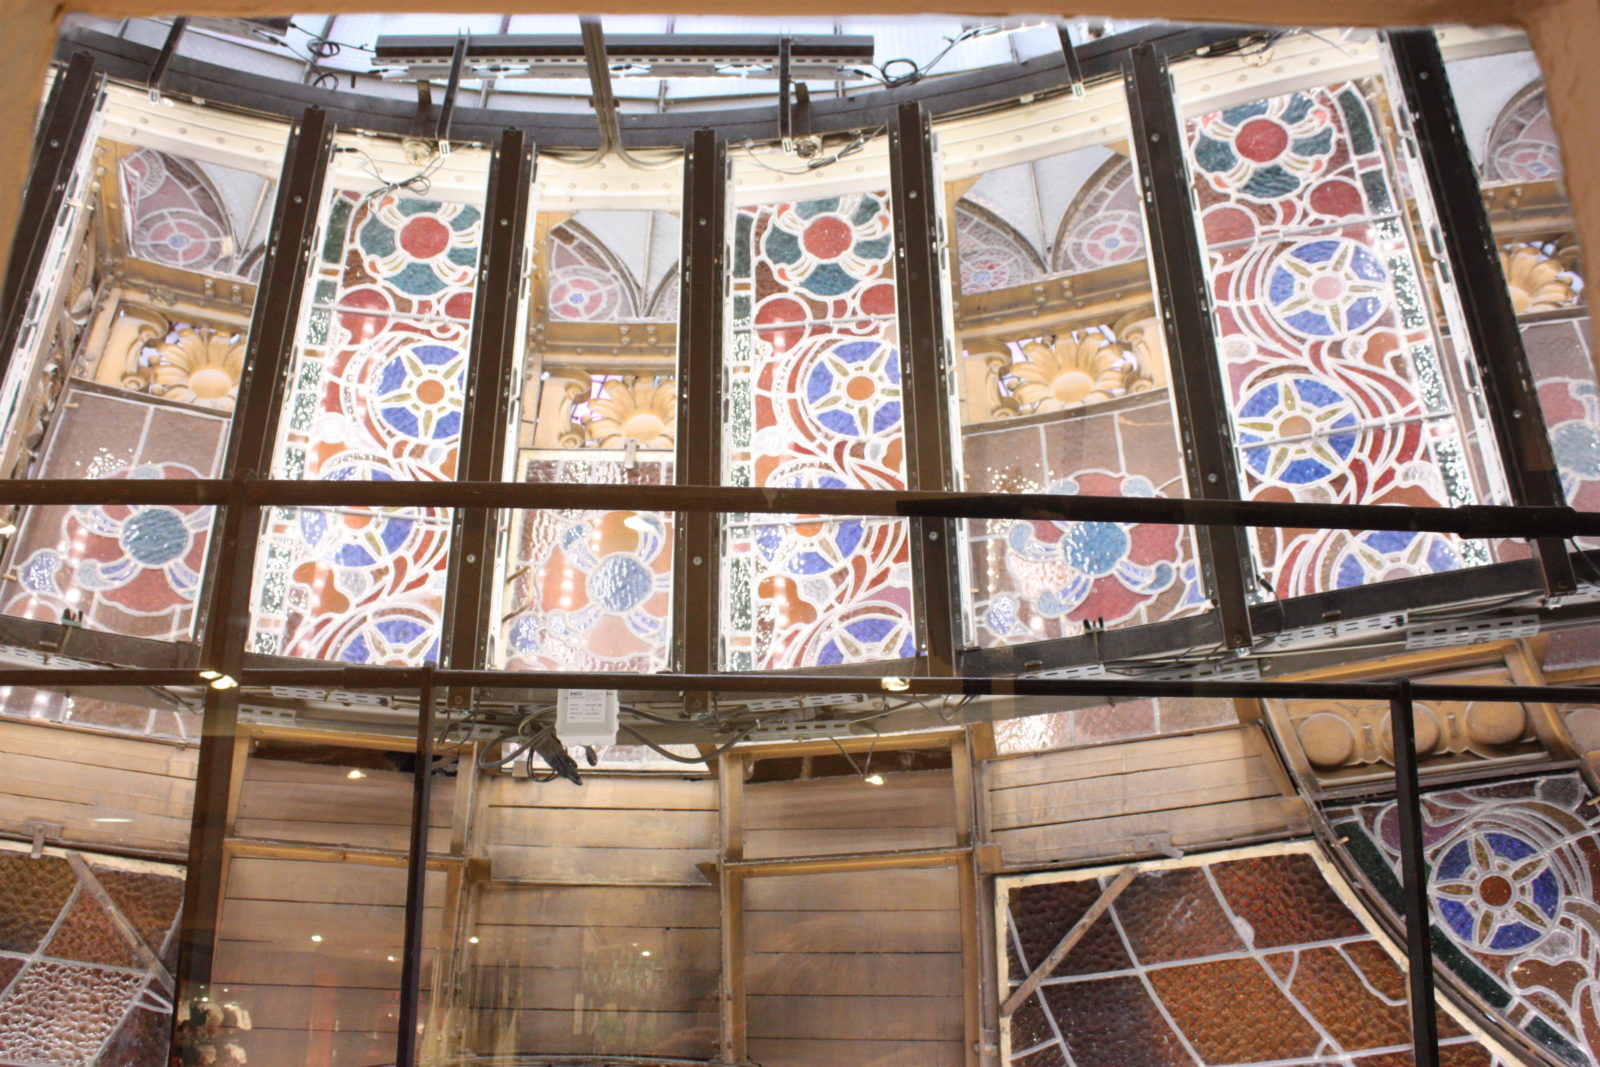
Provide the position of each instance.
(598, 932)
(855, 968)
(1112, 801)
(843, 814)
(284, 800)
(332, 1001)
(72, 778)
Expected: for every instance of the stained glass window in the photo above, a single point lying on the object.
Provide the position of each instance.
(1064, 389)
(376, 394)
(1237, 958)
(1501, 99)
(1512, 887)
(193, 215)
(814, 401)
(123, 569)
(1339, 390)
(591, 590)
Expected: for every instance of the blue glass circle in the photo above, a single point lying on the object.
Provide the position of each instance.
(155, 537)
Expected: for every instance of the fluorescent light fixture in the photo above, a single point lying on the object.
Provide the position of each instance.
(114, 818)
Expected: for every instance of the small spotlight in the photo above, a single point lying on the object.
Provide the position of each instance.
(391, 959)
(356, 772)
(316, 937)
(896, 684)
(8, 529)
(209, 675)
(473, 940)
(637, 524)
(225, 682)
(646, 952)
(873, 779)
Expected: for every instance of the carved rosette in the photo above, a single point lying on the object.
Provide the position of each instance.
(199, 366)
(1536, 280)
(640, 409)
(1078, 368)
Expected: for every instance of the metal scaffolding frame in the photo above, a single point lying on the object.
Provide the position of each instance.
(933, 509)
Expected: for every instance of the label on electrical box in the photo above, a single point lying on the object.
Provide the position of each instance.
(587, 716)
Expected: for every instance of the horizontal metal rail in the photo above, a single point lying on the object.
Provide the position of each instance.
(1474, 521)
(356, 679)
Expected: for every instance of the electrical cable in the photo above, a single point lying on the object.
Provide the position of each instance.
(673, 756)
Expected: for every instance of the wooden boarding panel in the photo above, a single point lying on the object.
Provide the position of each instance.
(281, 800)
(911, 889)
(911, 798)
(631, 793)
(599, 906)
(634, 981)
(865, 974)
(603, 1029)
(1102, 761)
(77, 779)
(1128, 835)
(556, 828)
(853, 931)
(588, 865)
(241, 962)
(783, 844)
(291, 922)
(569, 945)
(859, 1018)
(307, 1046)
(856, 1053)
(251, 878)
(1174, 787)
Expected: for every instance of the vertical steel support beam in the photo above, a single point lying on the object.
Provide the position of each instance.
(1414, 879)
(416, 878)
(62, 130)
(227, 606)
(1198, 388)
(498, 326)
(697, 602)
(1473, 258)
(916, 199)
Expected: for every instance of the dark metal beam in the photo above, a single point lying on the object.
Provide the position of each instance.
(602, 101)
(353, 679)
(1476, 521)
(416, 877)
(169, 49)
(447, 109)
(226, 614)
(697, 601)
(1474, 262)
(1414, 873)
(1069, 53)
(62, 129)
(1197, 383)
(924, 321)
(492, 390)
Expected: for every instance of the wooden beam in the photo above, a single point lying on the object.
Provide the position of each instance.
(853, 743)
(730, 890)
(1068, 942)
(295, 850)
(852, 861)
(971, 960)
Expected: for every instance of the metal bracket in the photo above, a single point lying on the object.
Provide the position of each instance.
(1069, 52)
(447, 109)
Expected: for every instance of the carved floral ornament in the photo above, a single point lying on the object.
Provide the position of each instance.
(199, 366)
(1071, 369)
(587, 411)
(1537, 280)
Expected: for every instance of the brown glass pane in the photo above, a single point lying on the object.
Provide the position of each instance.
(1232, 1012)
(1329, 988)
(1112, 1022)
(1044, 913)
(35, 890)
(1029, 1027)
(142, 1041)
(149, 901)
(1174, 915)
(1285, 900)
(1051, 1056)
(88, 935)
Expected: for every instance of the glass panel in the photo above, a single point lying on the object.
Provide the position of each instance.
(1506, 119)
(814, 401)
(592, 590)
(1230, 959)
(141, 344)
(1341, 386)
(1511, 881)
(376, 394)
(1063, 387)
(1096, 724)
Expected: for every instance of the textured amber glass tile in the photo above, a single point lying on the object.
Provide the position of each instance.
(1043, 913)
(35, 891)
(1174, 915)
(87, 934)
(1111, 1022)
(148, 900)
(1233, 1013)
(1285, 900)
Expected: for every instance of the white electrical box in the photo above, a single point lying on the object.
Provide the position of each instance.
(586, 716)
